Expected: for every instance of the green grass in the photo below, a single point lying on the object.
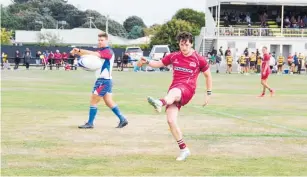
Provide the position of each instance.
(236, 134)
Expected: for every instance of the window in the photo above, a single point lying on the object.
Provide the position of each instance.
(252, 45)
(231, 44)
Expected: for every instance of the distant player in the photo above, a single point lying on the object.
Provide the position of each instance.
(229, 61)
(280, 64)
(103, 86)
(187, 65)
(265, 72)
(253, 62)
(243, 64)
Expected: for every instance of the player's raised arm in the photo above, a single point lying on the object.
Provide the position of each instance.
(154, 64)
(82, 52)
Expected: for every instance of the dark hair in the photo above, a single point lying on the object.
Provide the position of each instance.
(103, 34)
(185, 36)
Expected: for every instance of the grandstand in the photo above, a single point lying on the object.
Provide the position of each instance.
(281, 25)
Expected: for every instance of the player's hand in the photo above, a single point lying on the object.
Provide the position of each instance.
(206, 100)
(74, 51)
(142, 61)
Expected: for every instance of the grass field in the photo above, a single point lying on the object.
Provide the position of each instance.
(237, 134)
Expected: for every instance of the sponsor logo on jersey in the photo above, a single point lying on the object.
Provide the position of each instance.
(193, 64)
(183, 69)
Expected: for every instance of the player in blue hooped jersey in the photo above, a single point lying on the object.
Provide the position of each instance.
(103, 86)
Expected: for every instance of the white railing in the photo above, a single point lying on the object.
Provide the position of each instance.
(257, 32)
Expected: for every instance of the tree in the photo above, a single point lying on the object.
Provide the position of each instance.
(114, 27)
(132, 21)
(152, 30)
(136, 32)
(49, 38)
(191, 16)
(5, 36)
(168, 32)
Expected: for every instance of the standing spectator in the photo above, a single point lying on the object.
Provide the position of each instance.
(259, 63)
(227, 51)
(17, 59)
(278, 20)
(246, 53)
(27, 58)
(290, 63)
(51, 59)
(37, 58)
(305, 20)
(280, 64)
(119, 64)
(295, 62)
(300, 62)
(58, 59)
(272, 62)
(5, 62)
(64, 58)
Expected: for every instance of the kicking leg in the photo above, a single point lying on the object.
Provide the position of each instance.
(173, 95)
(112, 105)
(172, 114)
(92, 112)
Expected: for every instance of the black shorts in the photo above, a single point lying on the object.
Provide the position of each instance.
(253, 63)
(279, 66)
(230, 65)
(242, 65)
(271, 67)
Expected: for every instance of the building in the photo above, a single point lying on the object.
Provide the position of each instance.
(263, 30)
(73, 37)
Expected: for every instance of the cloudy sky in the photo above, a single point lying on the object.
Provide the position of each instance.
(152, 11)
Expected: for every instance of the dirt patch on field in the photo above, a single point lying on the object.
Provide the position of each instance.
(150, 135)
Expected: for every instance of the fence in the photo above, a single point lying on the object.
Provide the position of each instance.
(257, 32)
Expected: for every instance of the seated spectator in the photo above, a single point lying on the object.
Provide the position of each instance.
(248, 19)
(278, 20)
(293, 22)
(301, 24)
(287, 22)
(305, 20)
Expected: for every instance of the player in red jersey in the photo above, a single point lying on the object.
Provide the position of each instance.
(187, 65)
(265, 72)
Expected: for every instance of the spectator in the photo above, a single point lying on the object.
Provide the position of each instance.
(64, 58)
(37, 58)
(17, 59)
(4, 61)
(51, 59)
(305, 20)
(248, 19)
(287, 22)
(278, 20)
(58, 59)
(221, 51)
(295, 61)
(246, 53)
(27, 58)
(301, 24)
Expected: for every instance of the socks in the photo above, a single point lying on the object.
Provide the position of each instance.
(117, 112)
(92, 115)
(181, 144)
(163, 101)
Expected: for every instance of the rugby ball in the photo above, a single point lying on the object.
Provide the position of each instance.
(90, 62)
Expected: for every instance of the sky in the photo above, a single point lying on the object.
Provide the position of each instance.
(151, 11)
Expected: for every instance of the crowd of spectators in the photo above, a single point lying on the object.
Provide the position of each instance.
(45, 60)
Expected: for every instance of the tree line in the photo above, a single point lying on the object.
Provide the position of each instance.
(35, 14)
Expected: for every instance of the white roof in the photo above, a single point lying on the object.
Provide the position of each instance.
(76, 36)
(260, 2)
